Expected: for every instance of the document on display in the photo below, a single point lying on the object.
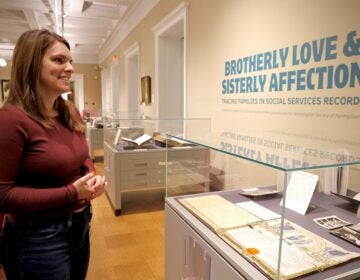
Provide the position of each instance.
(218, 212)
(300, 191)
(258, 210)
(139, 140)
(117, 136)
(257, 240)
(302, 251)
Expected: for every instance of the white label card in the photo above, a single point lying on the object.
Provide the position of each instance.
(117, 136)
(299, 191)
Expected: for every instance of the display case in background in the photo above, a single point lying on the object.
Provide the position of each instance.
(233, 231)
(94, 130)
(95, 139)
(95, 123)
(135, 156)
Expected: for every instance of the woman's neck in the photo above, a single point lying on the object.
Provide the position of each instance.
(49, 107)
(50, 110)
(51, 114)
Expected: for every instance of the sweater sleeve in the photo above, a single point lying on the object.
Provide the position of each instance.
(88, 165)
(23, 199)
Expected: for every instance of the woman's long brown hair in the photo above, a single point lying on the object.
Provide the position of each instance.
(25, 79)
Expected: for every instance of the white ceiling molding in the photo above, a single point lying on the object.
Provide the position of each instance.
(134, 48)
(176, 15)
(132, 18)
(31, 19)
(87, 24)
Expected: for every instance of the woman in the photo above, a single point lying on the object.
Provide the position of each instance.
(47, 178)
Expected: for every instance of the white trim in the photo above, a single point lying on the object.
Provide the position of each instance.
(185, 66)
(139, 10)
(79, 95)
(178, 14)
(130, 52)
(114, 65)
(104, 73)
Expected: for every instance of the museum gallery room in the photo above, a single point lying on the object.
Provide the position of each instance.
(226, 131)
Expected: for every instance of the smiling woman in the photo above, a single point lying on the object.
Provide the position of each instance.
(47, 178)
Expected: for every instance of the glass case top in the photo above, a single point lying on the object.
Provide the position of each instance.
(282, 150)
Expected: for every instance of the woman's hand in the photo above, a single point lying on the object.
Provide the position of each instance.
(90, 186)
(98, 184)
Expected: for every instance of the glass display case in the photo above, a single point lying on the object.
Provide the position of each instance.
(280, 205)
(94, 131)
(95, 139)
(135, 154)
(95, 123)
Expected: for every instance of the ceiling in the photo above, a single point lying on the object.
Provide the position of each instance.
(87, 25)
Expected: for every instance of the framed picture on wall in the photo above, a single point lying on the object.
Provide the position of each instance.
(145, 90)
(5, 87)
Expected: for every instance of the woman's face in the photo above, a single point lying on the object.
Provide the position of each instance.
(56, 70)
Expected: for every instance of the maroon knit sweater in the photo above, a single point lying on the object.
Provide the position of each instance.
(38, 166)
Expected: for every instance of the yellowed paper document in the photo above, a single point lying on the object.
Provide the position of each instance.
(218, 212)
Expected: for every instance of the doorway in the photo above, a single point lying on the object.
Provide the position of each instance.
(132, 78)
(115, 92)
(170, 78)
(77, 88)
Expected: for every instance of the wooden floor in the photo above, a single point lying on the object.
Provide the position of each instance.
(126, 247)
(129, 246)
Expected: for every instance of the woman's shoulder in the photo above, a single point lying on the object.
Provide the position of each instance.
(12, 112)
(14, 122)
(14, 116)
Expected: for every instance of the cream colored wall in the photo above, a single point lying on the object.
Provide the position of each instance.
(219, 31)
(224, 30)
(92, 85)
(143, 35)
